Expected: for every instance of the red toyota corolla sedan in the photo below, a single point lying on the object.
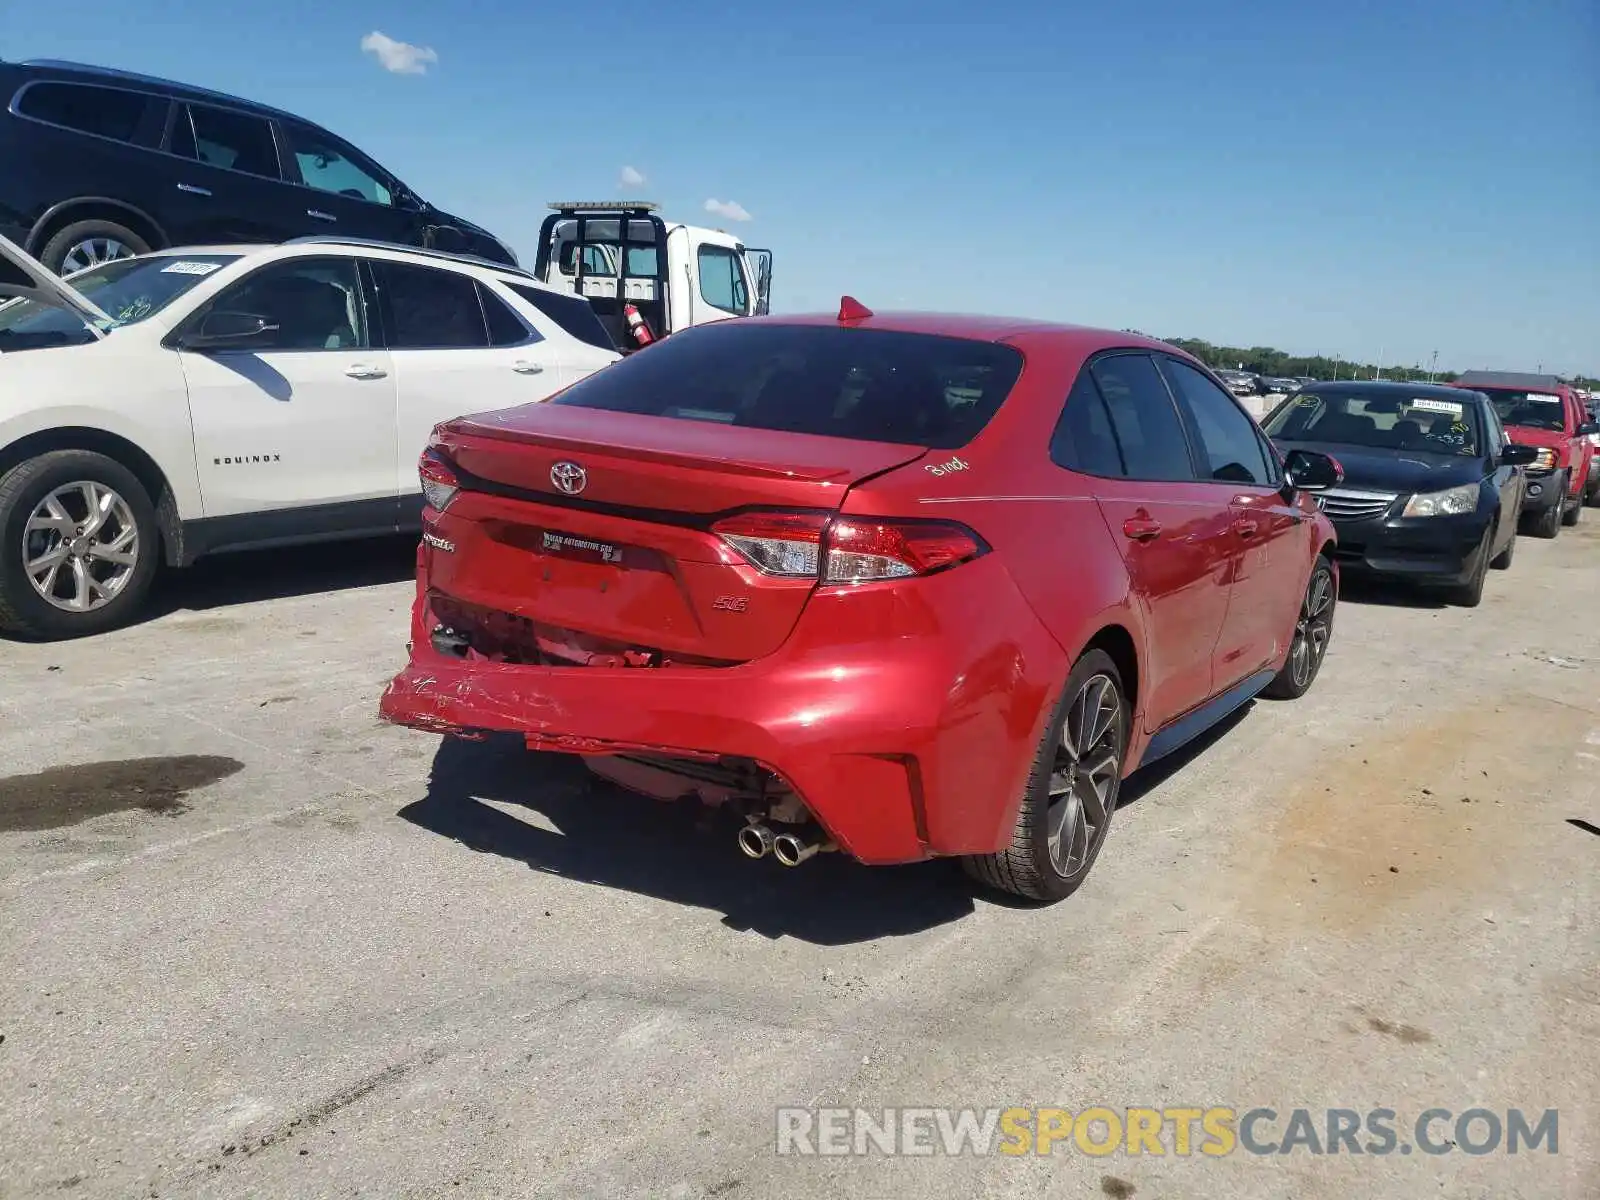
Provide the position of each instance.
(900, 586)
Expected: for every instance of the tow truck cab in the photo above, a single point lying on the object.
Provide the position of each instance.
(614, 253)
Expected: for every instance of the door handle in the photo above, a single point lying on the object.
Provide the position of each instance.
(1246, 528)
(1142, 529)
(364, 371)
(320, 215)
(194, 191)
(524, 367)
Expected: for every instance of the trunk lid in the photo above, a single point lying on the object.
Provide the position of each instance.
(591, 531)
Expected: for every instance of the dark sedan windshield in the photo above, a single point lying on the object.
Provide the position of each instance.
(126, 290)
(1530, 410)
(1386, 421)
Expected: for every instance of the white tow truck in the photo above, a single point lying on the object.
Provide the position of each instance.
(620, 254)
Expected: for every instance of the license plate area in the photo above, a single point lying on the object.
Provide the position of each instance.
(559, 544)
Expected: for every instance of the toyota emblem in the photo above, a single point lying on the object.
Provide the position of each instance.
(569, 478)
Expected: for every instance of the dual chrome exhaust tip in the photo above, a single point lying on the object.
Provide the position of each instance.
(757, 840)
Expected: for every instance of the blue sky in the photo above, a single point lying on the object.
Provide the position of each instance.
(1410, 175)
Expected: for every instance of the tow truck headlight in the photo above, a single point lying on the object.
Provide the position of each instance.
(1451, 502)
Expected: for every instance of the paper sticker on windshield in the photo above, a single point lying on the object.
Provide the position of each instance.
(1542, 398)
(186, 266)
(1438, 406)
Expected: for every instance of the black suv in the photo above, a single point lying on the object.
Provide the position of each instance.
(100, 164)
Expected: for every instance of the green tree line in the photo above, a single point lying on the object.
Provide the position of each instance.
(1267, 360)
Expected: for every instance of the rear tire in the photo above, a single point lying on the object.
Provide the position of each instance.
(1313, 630)
(76, 528)
(1071, 792)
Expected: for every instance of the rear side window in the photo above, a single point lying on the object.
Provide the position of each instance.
(572, 314)
(219, 137)
(105, 112)
(430, 310)
(1148, 429)
(505, 327)
(1084, 440)
(865, 384)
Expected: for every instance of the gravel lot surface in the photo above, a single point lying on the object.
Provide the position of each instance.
(257, 944)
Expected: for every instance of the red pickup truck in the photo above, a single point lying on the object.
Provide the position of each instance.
(1543, 411)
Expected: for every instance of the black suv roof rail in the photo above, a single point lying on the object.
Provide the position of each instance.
(477, 260)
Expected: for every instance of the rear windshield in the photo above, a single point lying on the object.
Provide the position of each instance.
(1381, 420)
(866, 384)
(1531, 410)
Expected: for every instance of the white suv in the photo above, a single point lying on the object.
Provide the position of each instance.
(167, 406)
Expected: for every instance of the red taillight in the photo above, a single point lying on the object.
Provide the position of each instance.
(787, 544)
(439, 482)
(862, 550)
(847, 549)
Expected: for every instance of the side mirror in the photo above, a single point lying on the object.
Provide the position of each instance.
(1588, 427)
(1519, 456)
(225, 329)
(1309, 471)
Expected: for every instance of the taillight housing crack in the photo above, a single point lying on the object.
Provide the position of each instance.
(838, 549)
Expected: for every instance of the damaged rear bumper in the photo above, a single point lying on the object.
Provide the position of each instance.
(904, 735)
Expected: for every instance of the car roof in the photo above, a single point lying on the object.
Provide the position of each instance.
(973, 327)
(114, 76)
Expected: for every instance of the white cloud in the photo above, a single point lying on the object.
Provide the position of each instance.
(728, 208)
(402, 58)
(631, 177)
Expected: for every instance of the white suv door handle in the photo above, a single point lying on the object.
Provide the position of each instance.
(364, 371)
(523, 367)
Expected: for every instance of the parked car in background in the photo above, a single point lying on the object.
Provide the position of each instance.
(101, 164)
(1543, 411)
(1433, 486)
(1240, 383)
(1275, 385)
(681, 565)
(1304, 380)
(174, 404)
